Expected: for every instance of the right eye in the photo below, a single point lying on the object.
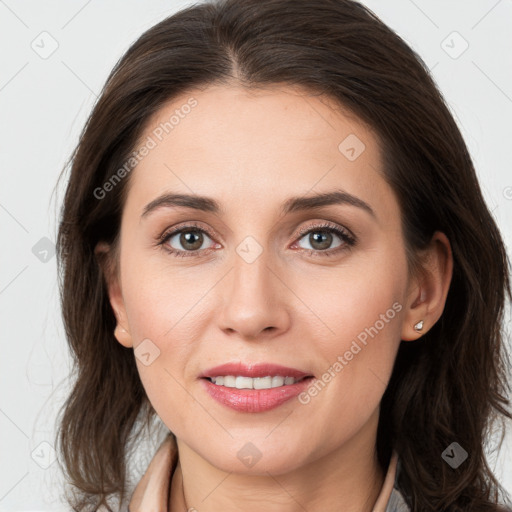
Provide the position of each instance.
(191, 239)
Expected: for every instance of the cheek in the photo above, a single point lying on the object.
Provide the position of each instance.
(161, 299)
(361, 299)
(162, 313)
(362, 306)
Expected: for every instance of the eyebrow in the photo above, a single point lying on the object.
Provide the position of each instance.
(293, 204)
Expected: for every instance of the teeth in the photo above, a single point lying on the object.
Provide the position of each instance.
(240, 382)
(263, 383)
(229, 381)
(244, 383)
(277, 381)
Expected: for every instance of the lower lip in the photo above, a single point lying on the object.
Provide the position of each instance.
(255, 400)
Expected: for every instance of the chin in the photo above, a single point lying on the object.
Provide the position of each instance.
(258, 456)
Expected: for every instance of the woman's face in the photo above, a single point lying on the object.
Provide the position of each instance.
(264, 279)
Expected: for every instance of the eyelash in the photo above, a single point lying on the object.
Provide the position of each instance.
(348, 239)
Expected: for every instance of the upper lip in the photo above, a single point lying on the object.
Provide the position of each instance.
(254, 370)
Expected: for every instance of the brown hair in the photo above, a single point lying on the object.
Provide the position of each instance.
(449, 386)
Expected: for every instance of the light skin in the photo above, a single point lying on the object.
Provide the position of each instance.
(251, 151)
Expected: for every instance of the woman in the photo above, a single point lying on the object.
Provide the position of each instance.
(274, 240)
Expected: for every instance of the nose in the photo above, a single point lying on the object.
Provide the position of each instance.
(254, 301)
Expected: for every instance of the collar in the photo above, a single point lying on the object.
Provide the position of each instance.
(152, 491)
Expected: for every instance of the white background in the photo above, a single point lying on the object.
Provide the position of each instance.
(43, 106)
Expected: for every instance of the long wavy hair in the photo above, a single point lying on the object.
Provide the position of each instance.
(449, 386)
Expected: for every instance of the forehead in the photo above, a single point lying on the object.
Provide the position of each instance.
(255, 147)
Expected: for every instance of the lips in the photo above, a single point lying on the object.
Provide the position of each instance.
(254, 370)
(254, 400)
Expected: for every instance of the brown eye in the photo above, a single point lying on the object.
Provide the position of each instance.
(320, 240)
(187, 240)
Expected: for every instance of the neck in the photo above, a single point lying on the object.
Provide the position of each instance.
(349, 476)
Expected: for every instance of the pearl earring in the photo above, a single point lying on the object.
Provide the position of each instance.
(419, 326)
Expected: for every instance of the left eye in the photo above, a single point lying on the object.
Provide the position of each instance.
(322, 238)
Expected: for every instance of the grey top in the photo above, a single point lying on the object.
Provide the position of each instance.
(397, 501)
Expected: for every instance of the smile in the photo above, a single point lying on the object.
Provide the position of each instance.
(241, 382)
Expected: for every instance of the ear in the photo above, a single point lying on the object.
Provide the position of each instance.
(428, 291)
(105, 256)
